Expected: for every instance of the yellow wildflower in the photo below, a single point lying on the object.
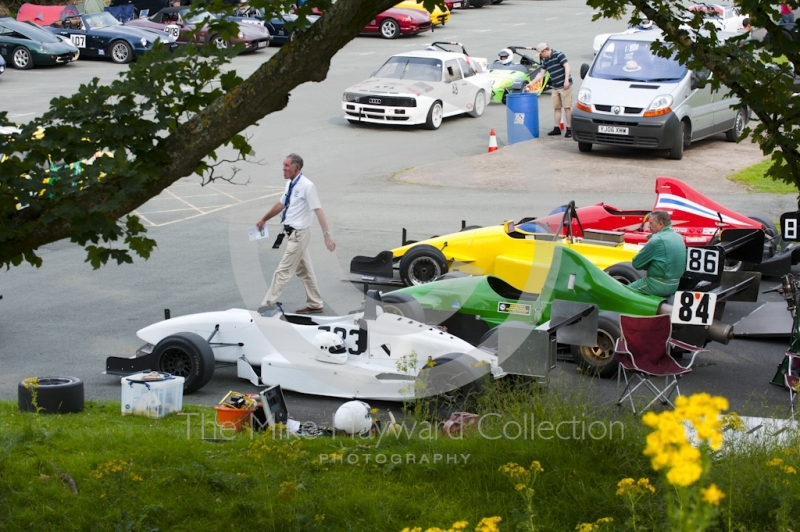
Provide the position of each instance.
(460, 525)
(319, 517)
(775, 462)
(604, 520)
(732, 421)
(488, 524)
(520, 487)
(586, 527)
(790, 470)
(415, 529)
(712, 494)
(536, 466)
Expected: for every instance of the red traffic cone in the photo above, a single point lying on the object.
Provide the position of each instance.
(561, 125)
(492, 142)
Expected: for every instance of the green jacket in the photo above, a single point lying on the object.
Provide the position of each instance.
(664, 258)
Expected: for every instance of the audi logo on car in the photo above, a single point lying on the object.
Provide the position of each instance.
(375, 101)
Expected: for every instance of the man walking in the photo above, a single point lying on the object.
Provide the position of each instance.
(664, 258)
(555, 63)
(298, 201)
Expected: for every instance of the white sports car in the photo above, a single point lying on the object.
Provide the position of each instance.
(421, 87)
(369, 354)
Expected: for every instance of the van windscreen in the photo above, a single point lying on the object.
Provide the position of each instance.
(635, 61)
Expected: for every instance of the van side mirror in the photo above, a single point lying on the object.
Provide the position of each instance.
(584, 70)
(699, 79)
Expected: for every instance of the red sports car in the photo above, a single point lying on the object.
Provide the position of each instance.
(176, 22)
(695, 216)
(398, 21)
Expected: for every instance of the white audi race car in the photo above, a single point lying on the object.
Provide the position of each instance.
(369, 354)
(421, 87)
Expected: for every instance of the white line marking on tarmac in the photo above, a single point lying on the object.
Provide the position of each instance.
(200, 213)
(552, 18)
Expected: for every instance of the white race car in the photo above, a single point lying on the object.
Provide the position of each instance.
(723, 16)
(421, 87)
(369, 354)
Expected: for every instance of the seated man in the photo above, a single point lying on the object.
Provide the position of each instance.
(664, 258)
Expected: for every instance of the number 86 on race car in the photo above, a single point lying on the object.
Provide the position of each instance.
(705, 262)
(694, 308)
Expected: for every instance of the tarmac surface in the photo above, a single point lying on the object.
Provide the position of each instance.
(65, 318)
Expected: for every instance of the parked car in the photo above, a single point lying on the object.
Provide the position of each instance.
(397, 21)
(631, 97)
(2, 64)
(25, 45)
(724, 17)
(178, 22)
(438, 17)
(101, 35)
(420, 87)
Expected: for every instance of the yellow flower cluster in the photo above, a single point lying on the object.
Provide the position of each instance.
(667, 444)
(712, 494)
(516, 471)
(732, 421)
(459, 526)
(591, 527)
(291, 452)
(777, 462)
(287, 491)
(110, 467)
(628, 486)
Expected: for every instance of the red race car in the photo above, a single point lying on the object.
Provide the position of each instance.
(397, 21)
(695, 216)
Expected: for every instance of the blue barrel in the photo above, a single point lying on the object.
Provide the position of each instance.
(522, 115)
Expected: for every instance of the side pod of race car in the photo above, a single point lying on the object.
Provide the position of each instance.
(479, 309)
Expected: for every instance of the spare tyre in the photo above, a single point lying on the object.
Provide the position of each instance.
(50, 395)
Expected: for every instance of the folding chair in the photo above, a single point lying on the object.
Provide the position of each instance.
(792, 378)
(643, 352)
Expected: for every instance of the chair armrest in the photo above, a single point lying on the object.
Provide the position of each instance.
(687, 347)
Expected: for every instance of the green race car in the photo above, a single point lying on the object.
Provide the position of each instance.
(476, 308)
(508, 76)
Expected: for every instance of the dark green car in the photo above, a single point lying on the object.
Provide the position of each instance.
(24, 45)
(473, 308)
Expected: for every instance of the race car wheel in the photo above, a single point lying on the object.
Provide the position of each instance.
(389, 29)
(678, 143)
(219, 42)
(505, 95)
(50, 395)
(584, 147)
(121, 52)
(624, 272)
(770, 231)
(186, 355)
(21, 58)
(599, 360)
(435, 115)
(480, 104)
(452, 384)
(422, 264)
(733, 134)
(403, 305)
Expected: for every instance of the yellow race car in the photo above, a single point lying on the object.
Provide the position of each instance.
(438, 17)
(520, 254)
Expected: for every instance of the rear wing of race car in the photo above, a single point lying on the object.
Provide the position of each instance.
(441, 45)
(525, 59)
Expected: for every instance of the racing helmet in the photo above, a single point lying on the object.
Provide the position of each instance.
(645, 24)
(353, 418)
(505, 56)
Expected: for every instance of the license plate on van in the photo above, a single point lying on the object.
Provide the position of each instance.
(613, 130)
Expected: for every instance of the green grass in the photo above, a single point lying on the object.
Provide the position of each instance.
(754, 178)
(134, 473)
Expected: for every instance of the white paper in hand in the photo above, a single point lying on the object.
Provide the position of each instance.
(257, 234)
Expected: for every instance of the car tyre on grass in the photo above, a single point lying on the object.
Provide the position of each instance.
(51, 395)
(186, 355)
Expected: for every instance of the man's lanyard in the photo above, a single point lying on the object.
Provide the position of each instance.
(289, 196)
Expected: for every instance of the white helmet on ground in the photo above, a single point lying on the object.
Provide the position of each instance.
(505, 56)
(353, 418)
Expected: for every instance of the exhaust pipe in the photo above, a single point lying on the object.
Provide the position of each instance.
(716, 332)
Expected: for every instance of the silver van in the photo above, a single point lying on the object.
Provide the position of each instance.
(631, 97)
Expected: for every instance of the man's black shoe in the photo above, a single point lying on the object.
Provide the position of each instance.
(568, 134)
(556, 131)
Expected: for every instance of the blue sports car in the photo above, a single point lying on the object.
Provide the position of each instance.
(101, 35)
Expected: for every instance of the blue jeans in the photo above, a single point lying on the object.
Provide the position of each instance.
(787, 19)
